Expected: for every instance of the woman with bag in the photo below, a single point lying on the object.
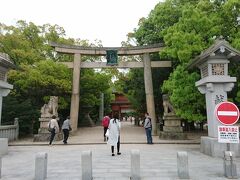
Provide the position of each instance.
(66, 127)
(105, 123)
(114, 134)
(53, 125)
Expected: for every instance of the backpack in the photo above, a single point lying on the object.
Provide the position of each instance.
(105, 122)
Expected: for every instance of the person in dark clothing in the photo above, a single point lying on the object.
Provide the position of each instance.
(148, 128)
(66, 127)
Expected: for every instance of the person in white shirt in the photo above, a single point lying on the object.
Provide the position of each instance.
(53, 124)
(114, 134)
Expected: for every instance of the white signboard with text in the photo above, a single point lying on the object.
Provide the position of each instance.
(228, 134)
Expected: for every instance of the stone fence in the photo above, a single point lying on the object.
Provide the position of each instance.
(10, 131)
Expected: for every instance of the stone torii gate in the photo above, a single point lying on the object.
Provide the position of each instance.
(76, 65)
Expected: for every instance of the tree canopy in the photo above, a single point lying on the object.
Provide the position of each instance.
(39, 73)
(187, 27)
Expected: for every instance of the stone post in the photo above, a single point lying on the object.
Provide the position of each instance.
(229, 165)
(149, 91)
(215, 82)
(101, 107)
(75, 92)
(4, 146)
(16, 122)
(214, 93)
(182, 165)
(3, 93)
(0, 167)
(135, 165)
(41, 166)
(0, 110)
(86, 165)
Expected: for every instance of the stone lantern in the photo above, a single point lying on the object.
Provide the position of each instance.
(215, 82)
(5, 65)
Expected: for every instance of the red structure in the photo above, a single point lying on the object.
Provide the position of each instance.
(121, 105)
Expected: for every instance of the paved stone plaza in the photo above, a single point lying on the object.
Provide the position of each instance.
(158, 161)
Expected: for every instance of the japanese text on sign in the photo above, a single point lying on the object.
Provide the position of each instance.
(228, 134)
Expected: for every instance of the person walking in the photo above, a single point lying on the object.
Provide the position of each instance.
(114, 134)
(53, 125)
(105, 123)
(66, 127)
(148, 128)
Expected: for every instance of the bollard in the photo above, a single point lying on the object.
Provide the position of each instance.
(182, 165)
(135, 164)
(4, 146)
(87, 165)
(41, 166)
(229, 166)
(0, 167)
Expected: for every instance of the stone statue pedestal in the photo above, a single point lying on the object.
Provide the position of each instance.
(43, 133)
(47, 111)
(172, 128)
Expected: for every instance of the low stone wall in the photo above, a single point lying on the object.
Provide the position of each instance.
(10, 131)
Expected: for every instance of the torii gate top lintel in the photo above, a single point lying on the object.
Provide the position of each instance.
(101, 51)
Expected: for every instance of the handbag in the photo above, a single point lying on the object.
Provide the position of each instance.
(70, 128)
(107, 133)
(49, 127)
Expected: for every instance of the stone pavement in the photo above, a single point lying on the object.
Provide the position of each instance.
(158, 161)
(130, 134)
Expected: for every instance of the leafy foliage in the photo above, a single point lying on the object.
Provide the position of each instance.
(24, 110)
(41, 79)
(180, 84)
(187, 27)
(39, 74)
(134, 88)
(92, 84)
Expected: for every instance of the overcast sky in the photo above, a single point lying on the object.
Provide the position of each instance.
(106, 20)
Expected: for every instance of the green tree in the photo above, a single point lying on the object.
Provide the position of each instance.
(39, 74)
(40, 79)
(188, 102)
(23, 109)
(92, 85)
(187, 29)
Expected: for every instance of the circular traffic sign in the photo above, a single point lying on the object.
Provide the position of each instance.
(227, 113)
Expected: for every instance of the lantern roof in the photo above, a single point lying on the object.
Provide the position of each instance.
(6, 62)
(220, 47)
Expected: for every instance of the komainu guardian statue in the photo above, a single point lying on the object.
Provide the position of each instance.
(47, 111)
(50, 109)
(167, 106)
(172, 128)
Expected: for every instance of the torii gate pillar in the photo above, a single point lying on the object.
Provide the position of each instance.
(149, 91)
(75, 91)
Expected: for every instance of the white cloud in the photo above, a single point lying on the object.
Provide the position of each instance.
(106, 20)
